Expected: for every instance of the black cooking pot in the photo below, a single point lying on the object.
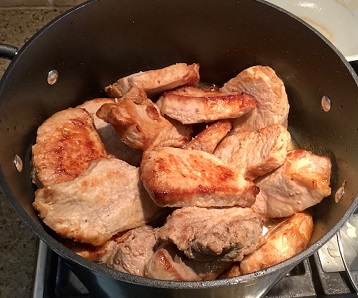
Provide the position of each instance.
(102, 40)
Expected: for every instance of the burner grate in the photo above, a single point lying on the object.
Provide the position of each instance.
(307, 279)
(297, 283)
(321, 275)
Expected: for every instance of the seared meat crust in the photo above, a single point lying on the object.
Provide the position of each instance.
(92, 106)
(139, 124)
(301, 182)
(113, 144)
(66, 144)
(156, 81)
(196, 105)
(256, 153)
(168, 263)
(210, 137)
(269, 91)
(98, 254)
(177, 177)
(288, 239)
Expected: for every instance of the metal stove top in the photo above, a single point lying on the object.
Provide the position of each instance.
(330, 272)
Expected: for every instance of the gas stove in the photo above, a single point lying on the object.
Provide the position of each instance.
(330, 272)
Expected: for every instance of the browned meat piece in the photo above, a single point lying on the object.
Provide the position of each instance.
(269, 91)
(233, 271)
(127, 252)
(178, 177)
(92, 106)
(168, 263)
(256, 153)
(99, 254)
(196, 105)
(209, 138)
(104, 201)
(156, 81)
(133, 250)
(207, 234)
(139, 124)
(113, 144)
(66, 144)
(286, 240)
(301, 182)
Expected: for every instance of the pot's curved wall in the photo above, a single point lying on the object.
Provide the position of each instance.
(101, 286)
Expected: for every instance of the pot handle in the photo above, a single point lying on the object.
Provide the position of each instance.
(354, 64)
(8, 51)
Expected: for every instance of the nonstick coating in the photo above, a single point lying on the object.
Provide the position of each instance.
(100, 41)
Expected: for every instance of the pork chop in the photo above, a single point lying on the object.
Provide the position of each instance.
(106, 200)
(256, 153)
(92, 106)
(126, 252)
(232, 271)
(301, 182)
(191, 105)
(140, 125)
(288, 239)
(269, 91)
(168, 263)
(113, 144)
(214, 234)
(157, 81)
(98, 254)
(177, 177)
(210, 137)
(133, 250)
(66, 144)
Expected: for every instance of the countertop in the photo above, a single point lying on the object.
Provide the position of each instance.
(18, 245)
